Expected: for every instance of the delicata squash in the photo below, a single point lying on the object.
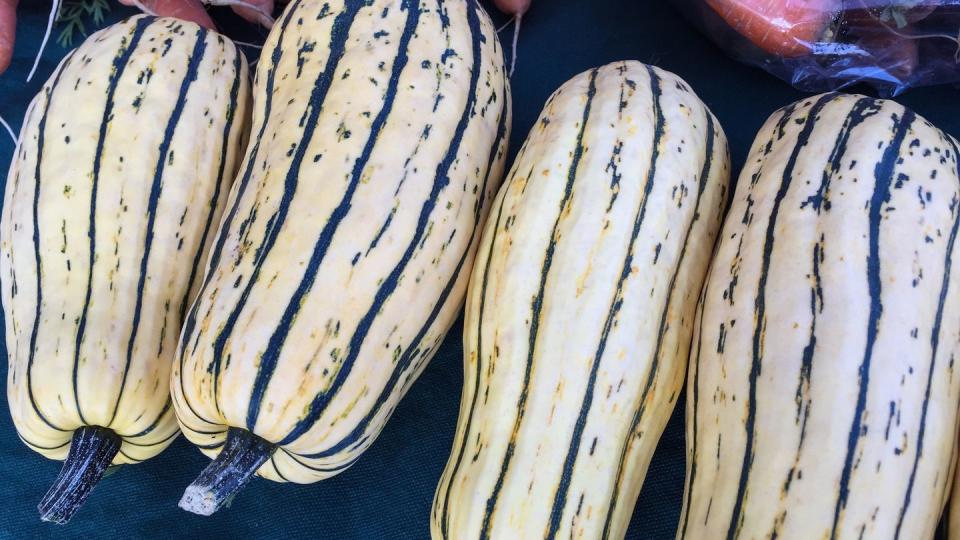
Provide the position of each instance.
(822, 394)
(581, 308)
(119, 178)
(379, 136)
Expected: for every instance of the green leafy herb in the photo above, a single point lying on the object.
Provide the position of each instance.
(76, 14)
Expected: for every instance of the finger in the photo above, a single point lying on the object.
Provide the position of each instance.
(188, 10)
(8, 30)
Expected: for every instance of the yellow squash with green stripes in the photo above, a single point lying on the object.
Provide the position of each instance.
(823, 391)
(121, 172)
(581, 307)
(379, 136)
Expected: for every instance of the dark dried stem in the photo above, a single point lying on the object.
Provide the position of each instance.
(91, 452)
(243, 453)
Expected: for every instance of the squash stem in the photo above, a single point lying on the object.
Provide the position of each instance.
(242, 454)
(92, 449)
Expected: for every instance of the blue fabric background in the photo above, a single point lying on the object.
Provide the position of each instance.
(388, 493)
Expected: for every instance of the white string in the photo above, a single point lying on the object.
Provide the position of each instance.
(506, 24)
(894, 31)
(955, 39)
(9, 130)
(54, 12)
(245, 44)
(516, 34)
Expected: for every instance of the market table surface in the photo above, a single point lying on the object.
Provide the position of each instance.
(388, 493)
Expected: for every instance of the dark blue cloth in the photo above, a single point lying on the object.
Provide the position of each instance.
(388, 493)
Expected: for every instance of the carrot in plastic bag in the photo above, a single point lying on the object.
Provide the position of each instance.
(780, 27)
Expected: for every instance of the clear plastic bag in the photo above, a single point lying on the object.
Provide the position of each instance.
(819, 45)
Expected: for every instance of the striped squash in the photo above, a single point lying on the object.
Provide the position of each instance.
(379, 135)
(581, 308)
(822, 394)
(120, 175)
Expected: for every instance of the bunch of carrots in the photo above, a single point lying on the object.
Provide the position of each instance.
(192, 10)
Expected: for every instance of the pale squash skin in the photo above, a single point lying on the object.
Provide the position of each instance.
(822, 394)
(93, 345)
(344, 255)
(581, 307)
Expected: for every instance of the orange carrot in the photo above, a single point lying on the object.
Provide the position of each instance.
(780, 27)
(8, 30)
